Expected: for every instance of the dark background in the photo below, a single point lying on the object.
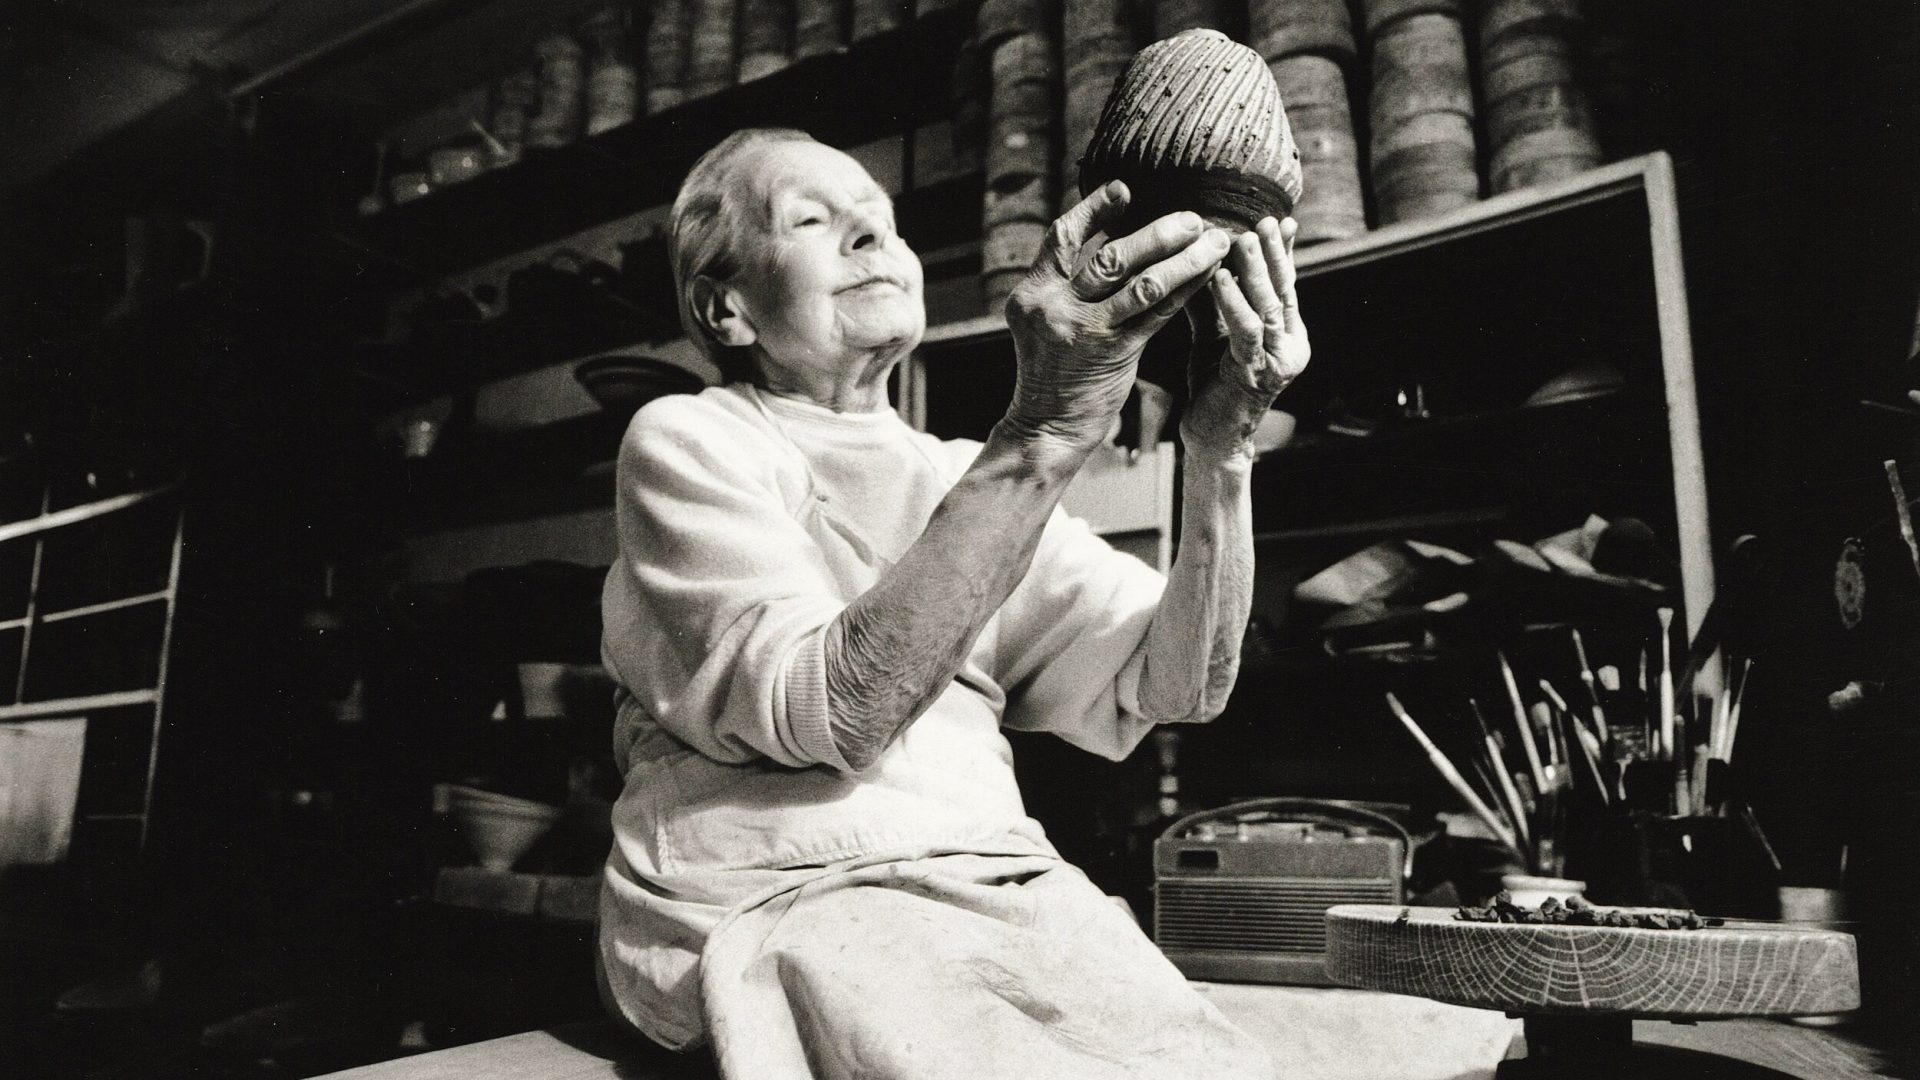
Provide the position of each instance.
(1795, 131)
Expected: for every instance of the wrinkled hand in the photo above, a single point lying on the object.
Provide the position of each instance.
(1267, 344)
(1079, 325)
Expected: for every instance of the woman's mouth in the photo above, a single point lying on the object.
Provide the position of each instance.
(874, 282)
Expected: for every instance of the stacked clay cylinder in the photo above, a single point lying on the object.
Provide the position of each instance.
(1022, 157)
(1101, 45)
(560, 116)
(819, 27)
(669, 30)
(1540, 125)
(1309, 45)
(613, 78)
(710, 46)
(766, 37)
(510, 110)
(969, 89)
(1172, 16)
(871, 17)
(1422, 148)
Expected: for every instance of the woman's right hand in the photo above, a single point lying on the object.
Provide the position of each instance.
(1079, 325)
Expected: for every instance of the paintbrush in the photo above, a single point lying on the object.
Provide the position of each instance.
(1588, 680)
(1516, 810)
(1901, 512)
(1520, 721)
(1733, 714)
(1666, 683)
(1542, 716)
(1717, 727)
(1453, 778)
(1647, 725)
(1491, 791)
(1589, 746)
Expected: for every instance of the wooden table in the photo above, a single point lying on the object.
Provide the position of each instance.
(1770, 1050)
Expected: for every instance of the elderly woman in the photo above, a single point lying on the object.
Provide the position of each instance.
(821, 619)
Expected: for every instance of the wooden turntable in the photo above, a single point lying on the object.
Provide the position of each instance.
(1579, 988)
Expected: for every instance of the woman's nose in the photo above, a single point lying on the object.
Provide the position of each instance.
(870, 229)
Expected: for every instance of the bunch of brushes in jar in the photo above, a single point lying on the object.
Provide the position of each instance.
(1585, 740)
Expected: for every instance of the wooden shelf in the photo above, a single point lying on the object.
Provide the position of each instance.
(1627, 177)
(553, 896)
(1418, 434)
(76, 706)
(74, 515)
(885, 85)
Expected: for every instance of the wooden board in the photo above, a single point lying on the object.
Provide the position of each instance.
(1593, 970)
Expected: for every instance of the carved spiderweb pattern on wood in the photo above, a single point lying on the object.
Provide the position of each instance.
(1708, 973)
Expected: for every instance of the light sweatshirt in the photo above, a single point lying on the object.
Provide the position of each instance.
(746, 523)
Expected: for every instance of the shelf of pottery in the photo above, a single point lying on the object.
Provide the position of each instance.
(1402, 109)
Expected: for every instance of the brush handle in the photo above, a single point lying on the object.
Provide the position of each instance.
(1526, 729)
(1453, 778)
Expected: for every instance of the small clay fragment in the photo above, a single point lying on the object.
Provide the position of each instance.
(1575, 911)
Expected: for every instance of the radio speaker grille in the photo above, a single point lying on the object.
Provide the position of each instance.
(1250, 914)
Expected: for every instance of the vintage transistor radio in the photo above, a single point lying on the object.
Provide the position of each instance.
(1241, 892)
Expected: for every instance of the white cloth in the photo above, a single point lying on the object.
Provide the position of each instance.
(746, 523)
(957, 968)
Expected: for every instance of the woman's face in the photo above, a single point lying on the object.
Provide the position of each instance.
(825, 282)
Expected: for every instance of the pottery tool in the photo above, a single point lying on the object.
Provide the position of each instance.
(1902, 513)
(1520, 721)
(1453, 778)
(1666, 683)
(1516, 810)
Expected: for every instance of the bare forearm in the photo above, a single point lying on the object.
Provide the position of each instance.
(1193, 644)
(897, 647)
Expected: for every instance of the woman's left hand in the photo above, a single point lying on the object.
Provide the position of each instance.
(1266, 339)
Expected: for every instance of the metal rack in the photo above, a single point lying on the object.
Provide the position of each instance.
(19, 707)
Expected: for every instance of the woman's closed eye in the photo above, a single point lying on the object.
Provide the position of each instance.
(807, 215)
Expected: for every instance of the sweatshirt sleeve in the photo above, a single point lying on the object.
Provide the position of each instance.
(1072, 640)
(714, 611)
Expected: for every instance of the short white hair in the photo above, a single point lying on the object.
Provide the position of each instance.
(704, 233)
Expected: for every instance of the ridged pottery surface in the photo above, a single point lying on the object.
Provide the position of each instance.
(1778, 970)
(1196, 123)
(1282, 28)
